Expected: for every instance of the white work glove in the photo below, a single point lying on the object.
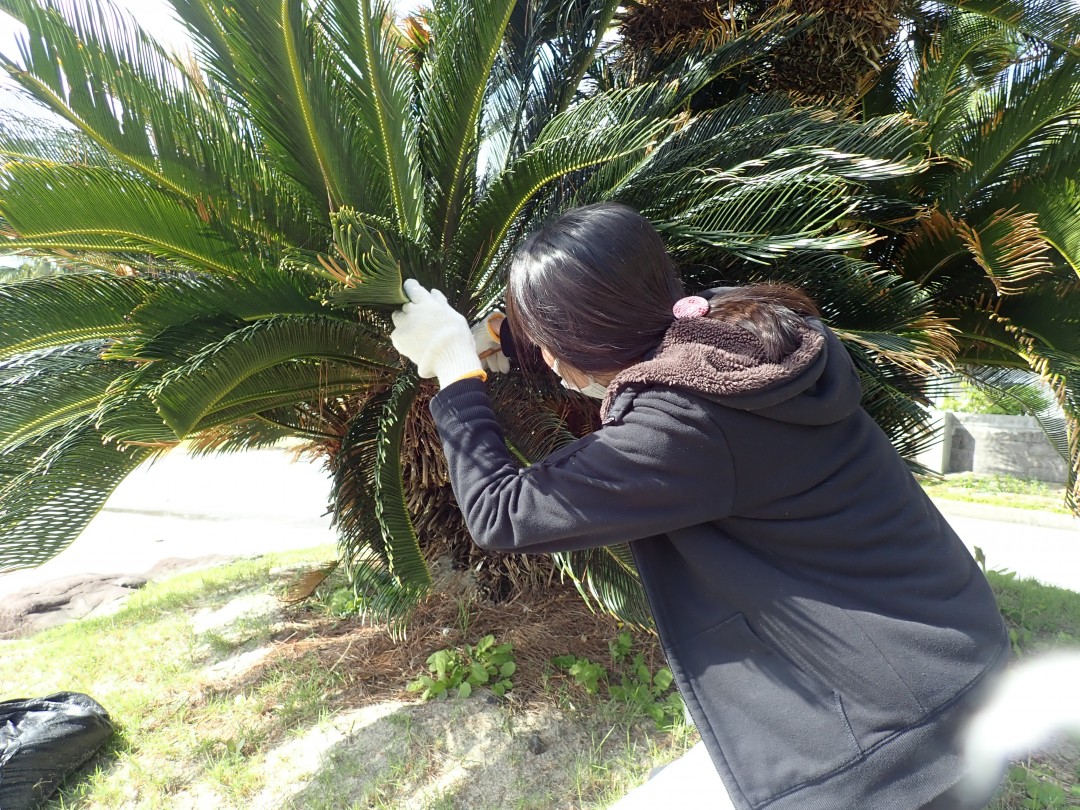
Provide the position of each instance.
(435, 336)
(485, 333)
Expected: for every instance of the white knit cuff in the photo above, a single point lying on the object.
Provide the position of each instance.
(455, 361)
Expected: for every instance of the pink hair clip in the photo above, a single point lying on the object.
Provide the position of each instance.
(693, 306)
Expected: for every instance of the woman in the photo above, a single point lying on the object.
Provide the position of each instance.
(827, 629)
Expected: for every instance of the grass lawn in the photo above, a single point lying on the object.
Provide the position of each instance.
(223, 698)
(998, 490)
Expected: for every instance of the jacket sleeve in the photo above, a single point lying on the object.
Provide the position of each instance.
(663, 466)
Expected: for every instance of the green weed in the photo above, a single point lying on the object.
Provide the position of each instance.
(629, 682)
(485, 664)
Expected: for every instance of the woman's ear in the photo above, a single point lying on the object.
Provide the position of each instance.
(549, 358)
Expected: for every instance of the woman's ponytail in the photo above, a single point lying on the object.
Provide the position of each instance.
(773, 313)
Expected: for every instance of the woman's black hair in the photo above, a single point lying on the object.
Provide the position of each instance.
(596, 287)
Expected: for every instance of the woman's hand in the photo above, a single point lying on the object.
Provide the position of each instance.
(488, 343)
(435, 336)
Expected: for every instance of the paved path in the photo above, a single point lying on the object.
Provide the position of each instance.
(182, 506)
(1047, 553)
(254, 502)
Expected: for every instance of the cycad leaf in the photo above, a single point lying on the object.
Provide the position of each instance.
(94, 66)
(50, 489)
(1012, 129)
(288, 384)
(188, 393)
(61, 310)
(763, 218)
(599, 129)
(378, 544)
(1010, 247)
(464, 47)
(179, 298)
(606, 577)
(49, 390)
(1051, 21)
(57, 207)
(372, 256)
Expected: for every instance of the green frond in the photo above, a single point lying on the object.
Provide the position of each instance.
(374, 261)
(763, 218)
(271, 62)
(72, 66)
(1057, 205)
(607, 578)
(943, 85)
(72, 208)
(51, 488)
(379, 83)
(49, 390)
(189, 392)
(456, 73)
(604, 127)
(288, 384)
(127, 414)
(203, 21)
(549, 48)
(1014, 126)
(92, 65)
(378, 545)
(37, 140)
(1051, 21)
(178, 298)
(60, 310)
(237, 437)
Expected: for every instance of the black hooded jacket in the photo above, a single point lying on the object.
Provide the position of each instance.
(825, 625)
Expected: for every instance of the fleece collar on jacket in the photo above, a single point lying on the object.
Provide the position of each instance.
(815, 383)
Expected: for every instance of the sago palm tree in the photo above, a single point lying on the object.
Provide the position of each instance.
(253, 211)
(992, 239)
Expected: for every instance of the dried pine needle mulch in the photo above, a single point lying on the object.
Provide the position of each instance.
(374, 667)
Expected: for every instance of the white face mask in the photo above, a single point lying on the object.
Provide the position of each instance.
(593, 389)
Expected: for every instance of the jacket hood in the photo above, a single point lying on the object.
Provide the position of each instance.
(815, 384)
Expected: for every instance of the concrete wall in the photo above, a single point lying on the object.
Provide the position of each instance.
(1002, 445)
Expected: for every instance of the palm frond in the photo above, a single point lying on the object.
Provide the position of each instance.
(189, 392)
(288, 384)
(379, 83)
(49, 390)
(65, 208)
(1051, 22)
(546, 55)
(599, 129)
(40, 313)
(92, 65)
(1011, 128)
(378, 544)
(457, 67)
(177, 298)
(763, 218)
(376, 259)
(1056, 202)
(51, 488)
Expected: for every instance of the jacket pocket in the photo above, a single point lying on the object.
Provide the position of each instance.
(777, 726)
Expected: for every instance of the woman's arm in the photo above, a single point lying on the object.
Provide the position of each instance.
(664, 465)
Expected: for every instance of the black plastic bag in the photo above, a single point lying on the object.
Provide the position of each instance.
(42, 740)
